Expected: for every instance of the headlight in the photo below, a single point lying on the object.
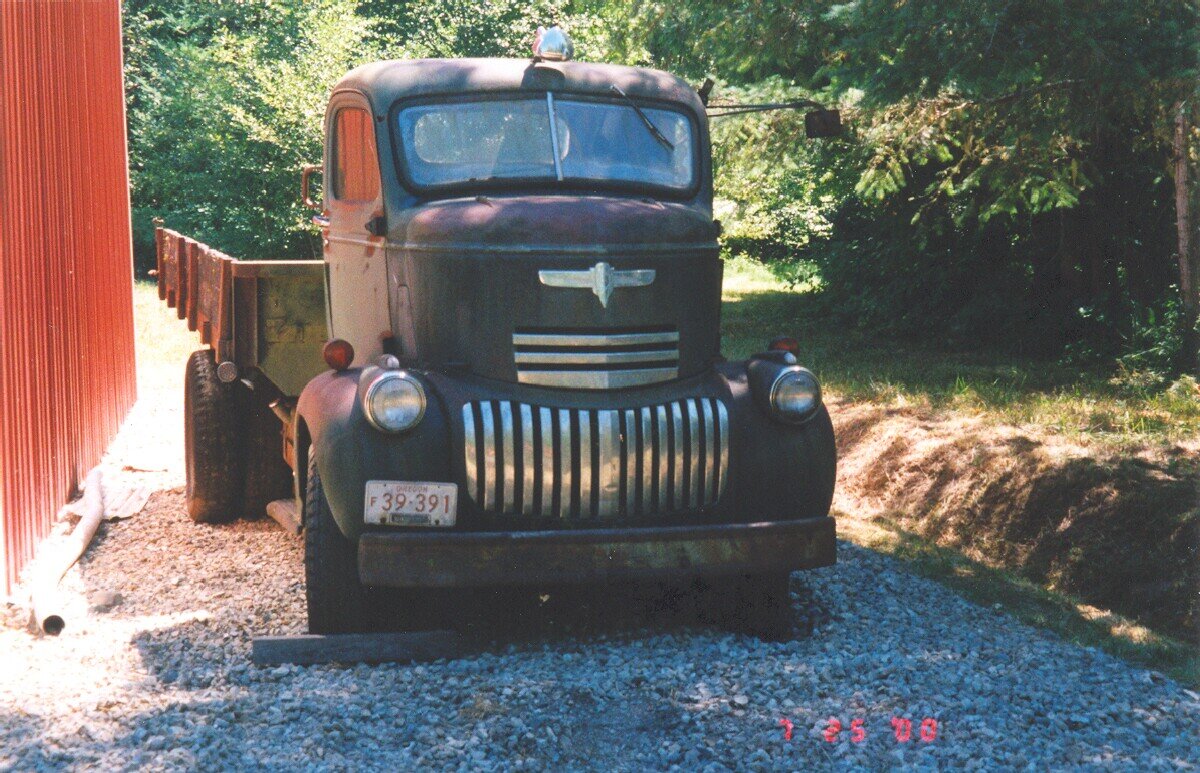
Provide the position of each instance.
(394, 402)
(795, 395)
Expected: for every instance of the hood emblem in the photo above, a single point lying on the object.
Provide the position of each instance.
(602, 278)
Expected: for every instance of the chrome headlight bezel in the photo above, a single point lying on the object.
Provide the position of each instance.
(381, 381)
(793, 415)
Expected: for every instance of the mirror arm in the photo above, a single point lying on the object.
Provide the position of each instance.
(726, 108)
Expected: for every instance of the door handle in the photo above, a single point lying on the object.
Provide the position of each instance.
(377, 226)
(321, 220)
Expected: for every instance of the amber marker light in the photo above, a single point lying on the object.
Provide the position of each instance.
(338, 354)
(785, 344)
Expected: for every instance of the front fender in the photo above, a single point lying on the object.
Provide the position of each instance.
(349, 451)
(780, 472)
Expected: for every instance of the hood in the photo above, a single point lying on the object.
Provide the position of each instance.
(553, 221)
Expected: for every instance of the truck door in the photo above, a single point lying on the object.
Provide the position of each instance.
(354, 255)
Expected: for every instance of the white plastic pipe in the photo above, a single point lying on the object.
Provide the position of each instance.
(47, 612)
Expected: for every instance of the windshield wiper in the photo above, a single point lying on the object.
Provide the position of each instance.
(666, 143)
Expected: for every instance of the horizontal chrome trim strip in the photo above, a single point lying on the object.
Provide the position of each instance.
(595, 358)
(597, 379)
(373, 242)
(594, 339)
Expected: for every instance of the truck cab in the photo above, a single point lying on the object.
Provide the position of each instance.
(524, 380)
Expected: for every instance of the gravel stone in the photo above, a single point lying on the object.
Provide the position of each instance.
(162, 680)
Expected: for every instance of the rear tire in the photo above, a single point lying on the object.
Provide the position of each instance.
(337, 601)
(268, 476)
(213, 446)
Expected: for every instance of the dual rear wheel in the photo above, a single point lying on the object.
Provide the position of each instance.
(232, 447)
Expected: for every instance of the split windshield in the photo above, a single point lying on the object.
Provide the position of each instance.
(478, 142)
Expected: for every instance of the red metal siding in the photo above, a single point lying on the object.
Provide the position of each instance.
(66, 310)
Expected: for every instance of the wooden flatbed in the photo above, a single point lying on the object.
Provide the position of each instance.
(267, 315)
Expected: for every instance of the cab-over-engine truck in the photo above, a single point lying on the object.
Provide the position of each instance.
(506, 370)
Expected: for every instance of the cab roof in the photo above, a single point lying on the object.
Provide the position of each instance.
(383, 83)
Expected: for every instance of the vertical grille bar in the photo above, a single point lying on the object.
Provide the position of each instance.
(663, 454)
(723, 455)
(564, 458)
(647, 454)
(678, 460)
(585, 464)
(609, 462)
(508, 481)
(710, 452)
(526, 459)
(489, 457)
(631, 461)
(546, 460)
(470, 449)
(693, 416)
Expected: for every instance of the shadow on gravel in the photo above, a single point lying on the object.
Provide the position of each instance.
(501, 616)
(181, 735)
(38, 755)
(181, 655)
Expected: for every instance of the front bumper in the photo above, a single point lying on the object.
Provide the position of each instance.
(465, 559)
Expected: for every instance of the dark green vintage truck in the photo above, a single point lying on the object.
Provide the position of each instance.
(506, 370)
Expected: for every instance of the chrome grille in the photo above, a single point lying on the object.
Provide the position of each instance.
(611, 360)
(604, 464)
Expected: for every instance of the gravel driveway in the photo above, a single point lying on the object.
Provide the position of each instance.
(160, 677)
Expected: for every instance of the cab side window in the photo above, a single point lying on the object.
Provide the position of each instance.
(355, 164)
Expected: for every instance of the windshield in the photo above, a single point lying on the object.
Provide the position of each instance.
(512, 139)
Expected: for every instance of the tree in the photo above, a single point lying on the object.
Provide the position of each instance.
(1188, 251)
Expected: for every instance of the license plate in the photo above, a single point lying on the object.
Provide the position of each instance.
(411, 503)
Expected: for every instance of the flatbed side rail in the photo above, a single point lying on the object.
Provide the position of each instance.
(197, 281)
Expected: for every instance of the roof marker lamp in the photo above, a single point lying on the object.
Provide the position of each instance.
(553, 45)
(394, 402)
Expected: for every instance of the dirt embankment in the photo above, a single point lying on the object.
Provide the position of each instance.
(1117, 529)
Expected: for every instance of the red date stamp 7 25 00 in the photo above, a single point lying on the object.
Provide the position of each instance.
(902, 729)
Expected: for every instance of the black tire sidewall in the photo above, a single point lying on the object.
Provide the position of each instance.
(337, 601)
(214, 452)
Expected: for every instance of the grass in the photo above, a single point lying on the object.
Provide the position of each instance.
(1061, 400)
(1046, 396)
(159, 335)
(1028, 602)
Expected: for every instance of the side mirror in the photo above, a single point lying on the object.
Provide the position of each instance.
(823, 123)
(306, 172)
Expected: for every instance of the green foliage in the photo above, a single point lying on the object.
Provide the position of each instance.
(1006, 164)
(225, 104)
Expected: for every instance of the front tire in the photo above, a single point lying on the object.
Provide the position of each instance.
(337, 601)
(213, 446)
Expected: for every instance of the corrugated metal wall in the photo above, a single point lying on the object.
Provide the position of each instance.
(66, 310)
